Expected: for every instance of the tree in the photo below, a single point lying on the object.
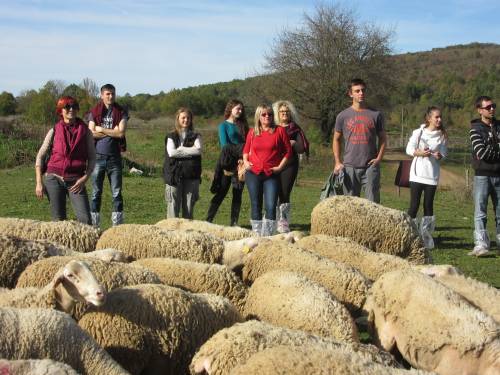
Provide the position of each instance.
(7, 104)
(313, 64)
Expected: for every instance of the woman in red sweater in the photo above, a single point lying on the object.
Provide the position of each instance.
(266, 152)
(70, 149)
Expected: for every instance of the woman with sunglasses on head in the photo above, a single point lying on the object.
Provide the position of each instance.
(286, 116)
(182, 166)
(427, 145)
(69, 152)
(266, 152)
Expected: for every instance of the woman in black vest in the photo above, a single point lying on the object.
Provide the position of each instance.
(182, 166)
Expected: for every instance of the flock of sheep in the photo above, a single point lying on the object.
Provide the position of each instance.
(191, 297)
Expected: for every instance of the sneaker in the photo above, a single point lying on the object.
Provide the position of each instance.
(479, 251)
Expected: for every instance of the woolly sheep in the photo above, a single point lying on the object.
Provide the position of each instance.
(51, 334)
(289, 300)
(433, 327)
(35, 367)
(149, 241)
(340, 249)
(110, 275)
(17, 253)
(72, 234)
(150, 327)
(72, 283)
(481, 295)
(315, 361)
(381, 229)
(347, 284)
(198, 278)
(220, 231)
(233, 346)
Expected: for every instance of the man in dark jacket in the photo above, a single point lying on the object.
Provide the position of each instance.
(485, 136)
(108, 122)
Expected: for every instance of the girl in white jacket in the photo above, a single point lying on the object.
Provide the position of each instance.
(427, 145)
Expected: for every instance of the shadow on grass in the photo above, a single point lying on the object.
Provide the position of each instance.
(451, 242)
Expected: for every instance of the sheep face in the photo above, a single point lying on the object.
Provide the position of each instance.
(77, 283)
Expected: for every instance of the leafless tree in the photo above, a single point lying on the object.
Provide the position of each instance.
(90, 87)
(313, 63)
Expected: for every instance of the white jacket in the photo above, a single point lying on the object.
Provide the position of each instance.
(425, 170)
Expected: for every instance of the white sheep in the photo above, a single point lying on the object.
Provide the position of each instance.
(481, 295)
(340, 249)
(290, 300)
(17, 253)
(235, 345)
(347, 284)
(150, 327)
(35, 367)
(223, 232)
(71, 284)
(379, 228)
(198, 278)
(111, 275)
(315, 361)
(51, 334)
(72, 234)
(433, 327)
(149, 241)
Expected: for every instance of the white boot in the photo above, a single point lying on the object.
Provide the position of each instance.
(96, 219)
(426, 228)
(283, 218)
(481, 243)
(117, 218)
(268, 227)
(256, 226)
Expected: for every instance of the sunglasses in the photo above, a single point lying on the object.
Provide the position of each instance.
(266, 114)
(490, 107)
(73, 106)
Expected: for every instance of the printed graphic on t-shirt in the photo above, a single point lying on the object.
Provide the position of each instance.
(359, 126)
(107, 119)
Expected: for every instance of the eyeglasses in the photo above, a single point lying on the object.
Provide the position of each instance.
(284, 111)
(266, 114)
(73, 106)
(489, 107)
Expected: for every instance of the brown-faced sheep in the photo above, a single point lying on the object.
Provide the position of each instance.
(381, 229)
(72, 234)
(150, 327)
(347, 284)
(290, 300)
(433, 327)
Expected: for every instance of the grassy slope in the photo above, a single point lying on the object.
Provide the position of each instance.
(144, 202)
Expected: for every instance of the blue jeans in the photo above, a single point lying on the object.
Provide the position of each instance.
(262, 187)
(485, 186)
(110, 165)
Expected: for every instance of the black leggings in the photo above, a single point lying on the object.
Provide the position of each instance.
(416, 189)
(286, 180)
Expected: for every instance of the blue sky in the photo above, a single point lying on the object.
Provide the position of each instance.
(154, 45)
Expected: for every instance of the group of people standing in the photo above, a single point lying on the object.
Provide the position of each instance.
(268, 154)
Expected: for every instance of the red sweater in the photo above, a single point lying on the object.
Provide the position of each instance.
(267, 149)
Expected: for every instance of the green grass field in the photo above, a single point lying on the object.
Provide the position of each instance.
(144, 201)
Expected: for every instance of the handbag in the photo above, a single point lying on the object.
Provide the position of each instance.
(403, 173)
(333, 186)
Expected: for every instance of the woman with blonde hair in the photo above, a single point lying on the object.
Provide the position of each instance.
(427, 145)
(182, 166)
(69, 154)
(286, 116)
(266, 152)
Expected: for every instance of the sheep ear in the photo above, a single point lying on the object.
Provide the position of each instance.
(58, 279)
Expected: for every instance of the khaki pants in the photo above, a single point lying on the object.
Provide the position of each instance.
(183, 195)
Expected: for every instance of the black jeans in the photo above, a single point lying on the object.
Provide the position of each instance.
(225, 184)
(286, 179)
(416, 189)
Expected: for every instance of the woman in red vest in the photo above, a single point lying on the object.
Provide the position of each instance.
(66, 161)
